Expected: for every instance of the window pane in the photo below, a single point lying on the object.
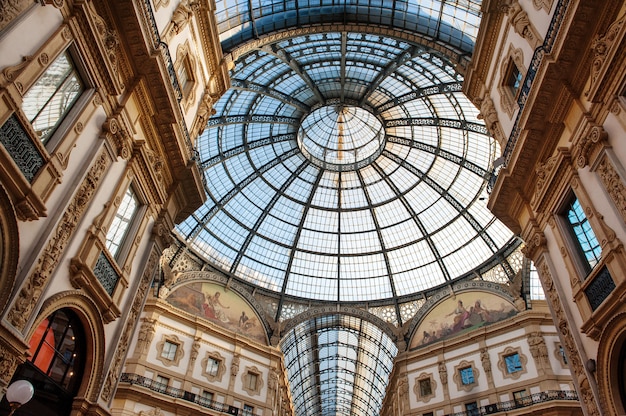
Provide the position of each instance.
(212, 366)
(425, 388)
(169, 350)
(121, 223)
(513, 363)
(467, 375)
(584, 234)
(52, 96)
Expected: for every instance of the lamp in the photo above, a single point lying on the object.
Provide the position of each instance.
(19, 393)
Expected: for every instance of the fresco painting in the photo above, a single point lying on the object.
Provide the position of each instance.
(456, 315)
(221, 306)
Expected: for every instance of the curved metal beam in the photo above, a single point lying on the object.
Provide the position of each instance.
(462, 210)
(444, 88)
(437, 151)
(222, 157)
(295, 66)
(238, 188)
(438, 122)
(247, 118)
(390, 68)
(241, 85)
(414, 216)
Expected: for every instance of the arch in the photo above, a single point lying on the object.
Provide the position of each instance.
(459, 58)
(91, 320)
(9, 247)
(612, 354)
(319, 311)
(468, 306)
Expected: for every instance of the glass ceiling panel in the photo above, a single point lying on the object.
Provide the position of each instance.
(317, 211)
(453, 22)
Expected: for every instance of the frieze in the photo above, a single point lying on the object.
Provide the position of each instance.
(48, 260)
(11, 9)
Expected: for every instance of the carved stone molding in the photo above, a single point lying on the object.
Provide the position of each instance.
(145, 335)
(110, 45)
(522, 25)
(48, 260)
(178, 355)
(604, 47)
(569, 344)
(588, 147)
(613, 184)
(503, 366)
(543, 4)
(11, 9)
(117, 137)
(115, 369)
(417, 387)
(8, 364)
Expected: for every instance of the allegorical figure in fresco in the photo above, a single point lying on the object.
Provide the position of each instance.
(213, 308)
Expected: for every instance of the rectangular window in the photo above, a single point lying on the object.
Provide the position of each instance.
(185, 79)
(52, 96)
(212, 366)
(425, 388)
(520, 397)
(251, 381)
(121, 223)
(208, 396)
(583, 235)
(562, 354)
(467, 375)
(169, 350)
(513, 78)
(471, 409)
(161, 383)
(513, 363)
(248, 410)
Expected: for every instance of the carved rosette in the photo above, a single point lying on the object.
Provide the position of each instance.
(122, 346)
(48, 260)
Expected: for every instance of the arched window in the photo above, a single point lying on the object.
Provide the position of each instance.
(55, 368)
(57, 349)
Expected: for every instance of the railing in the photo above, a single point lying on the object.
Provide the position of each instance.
(537, 59)
(533, 399)
(135, 379)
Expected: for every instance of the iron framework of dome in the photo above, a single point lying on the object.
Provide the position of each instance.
(334, 208)
(346, 166)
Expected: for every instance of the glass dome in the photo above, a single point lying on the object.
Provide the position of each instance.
(346, 167)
